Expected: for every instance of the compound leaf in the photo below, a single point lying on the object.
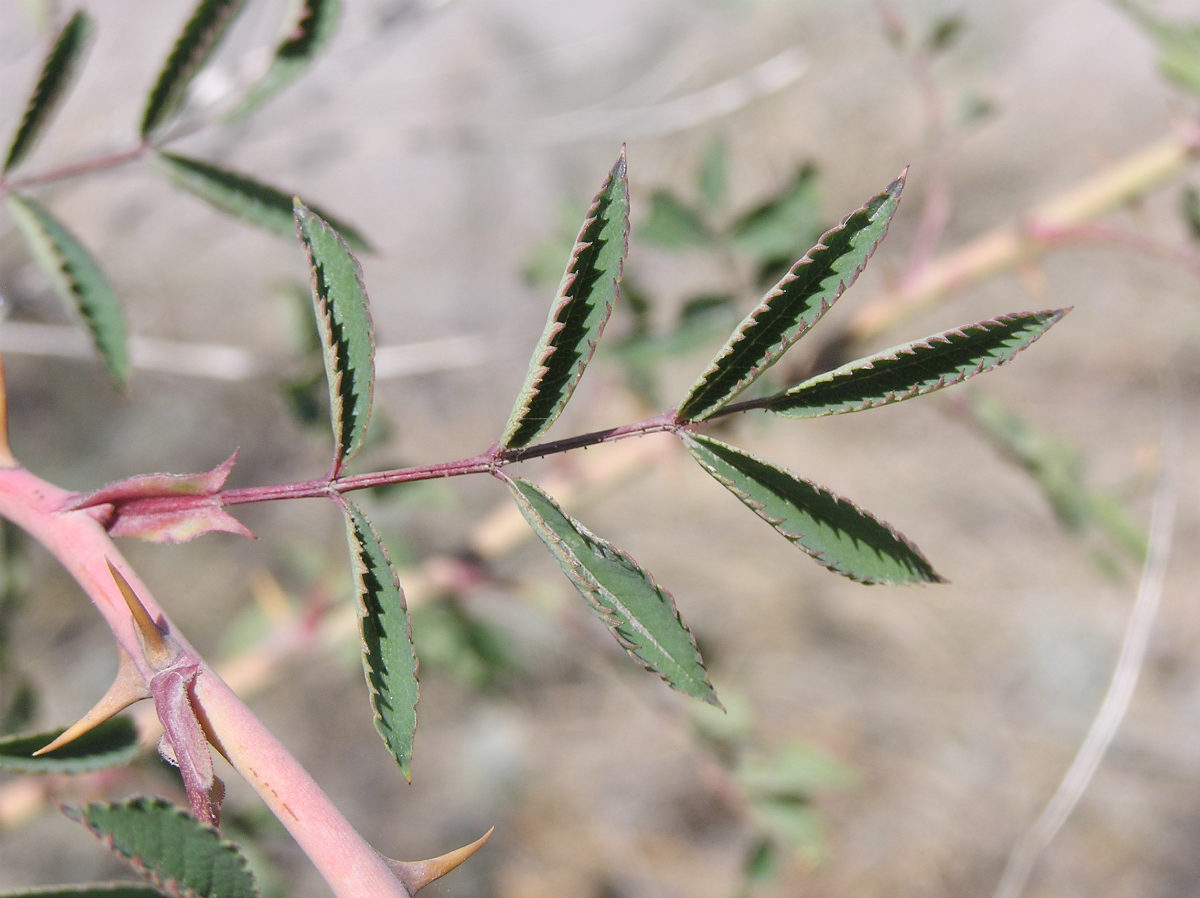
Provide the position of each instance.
(245, 198)
(641, 614)
(172, 850)
(58, 73)
(204, 30)
(344, 324)
(313, 26)
(112, 743)
(797, 302)
(389, 659)
(914, 369)
(835, 532)
(77, 278)
(585, 300)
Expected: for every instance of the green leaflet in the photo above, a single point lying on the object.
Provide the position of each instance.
(914, 369)
(313, 26)
(110, 744)
(838, 534)
(389, 659)
(641, 615)
(1178, 44)
(58, 72)
(672, 224)
(200, 36)
(771, 232)
(585, 299)
(344, 324)
(76, 278)
(796, 303)
(247, 199)
(174, 851)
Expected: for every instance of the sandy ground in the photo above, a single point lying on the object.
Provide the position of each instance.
(456, 134)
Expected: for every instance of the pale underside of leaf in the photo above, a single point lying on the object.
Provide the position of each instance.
(835, 532)
(169, 848)
(913, 369)
(58, 73)
(77, 279)
(200, 36)
(389, 658)
(347, 334)
(641, 615)
(314, 24)
(793, 306)
(580, 311)
(245, 198)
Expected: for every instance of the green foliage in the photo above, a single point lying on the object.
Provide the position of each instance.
(111, 744)
(77, 278)
(172, 850)
(91, 890)
(585, 300)
(389, 659)
(58, 74)
(641, 614)
(1178, 44)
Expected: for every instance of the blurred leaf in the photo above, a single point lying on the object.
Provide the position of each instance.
(641, 615)
(835, 532)
(112, 743)
(77, 278)
(58, 74)
(914, 369)
(1190, 207)
(90, 890)
(780, 226)
(169, 848)
(247, 199)
(796, 303)
(389, 659)
(580, 311)
(344, 322)
(711, 181)
(672, 224)
(762, 862)
(797, 771)
(471, 650)
(945, 33)
(314, 25)
(209, 22)
(1178, 44)
(795, 824)
(974, 107)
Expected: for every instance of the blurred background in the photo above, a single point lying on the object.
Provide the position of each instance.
(877, 741)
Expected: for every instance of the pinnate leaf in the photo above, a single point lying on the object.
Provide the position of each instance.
(112, 743)
(794, 305)
(204, 30)
(914, 369)
(313, 26)
(347, 334)
(245, 198)
(77, 278)
(585, 300)
(641, 614)
(389, 659)
(169, 848)
(58, 72)
(835, 532)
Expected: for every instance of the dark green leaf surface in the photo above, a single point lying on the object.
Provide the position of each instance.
(247, 199)
(76, 278)
(641, 615)
(914, 369)
(577, 318)
(173, 850)
(313, 26)
(838, 534)
(111, 744)
(347, 335)
(389, 659)
(204, 30)
(672, 225)
(797, 302)
(58, 73)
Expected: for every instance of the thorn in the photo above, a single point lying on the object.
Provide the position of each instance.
(417, 874)
(127, 688)
(158, 652)
(6, 457)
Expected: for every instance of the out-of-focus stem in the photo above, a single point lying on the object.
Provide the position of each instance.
(1009, 245)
